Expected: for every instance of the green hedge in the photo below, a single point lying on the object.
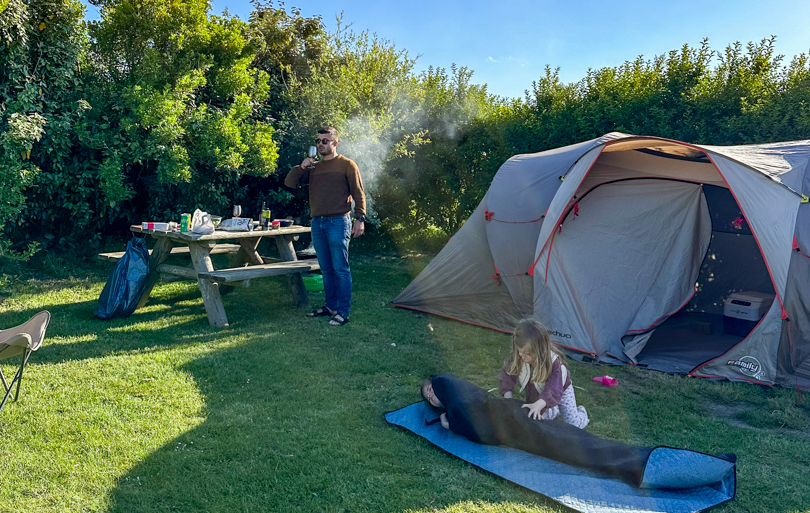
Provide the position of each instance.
(160, 108)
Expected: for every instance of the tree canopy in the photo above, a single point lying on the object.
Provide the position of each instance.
(162, 107)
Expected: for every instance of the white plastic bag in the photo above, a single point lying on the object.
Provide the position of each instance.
(201, 223)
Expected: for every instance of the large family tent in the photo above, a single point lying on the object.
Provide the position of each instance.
(629, 248)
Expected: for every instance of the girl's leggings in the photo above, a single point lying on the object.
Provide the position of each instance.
(572, 414)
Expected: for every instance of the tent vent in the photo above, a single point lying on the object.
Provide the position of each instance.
(694, 157)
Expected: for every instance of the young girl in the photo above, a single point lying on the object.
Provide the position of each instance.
(539, 366)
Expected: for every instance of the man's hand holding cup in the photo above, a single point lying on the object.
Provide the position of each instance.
(310, 161)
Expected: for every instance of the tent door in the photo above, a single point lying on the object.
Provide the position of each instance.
(629, 259)
(733, 263)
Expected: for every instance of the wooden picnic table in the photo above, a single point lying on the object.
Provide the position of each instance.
(201, 247)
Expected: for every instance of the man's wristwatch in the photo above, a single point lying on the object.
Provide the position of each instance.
(362, 219)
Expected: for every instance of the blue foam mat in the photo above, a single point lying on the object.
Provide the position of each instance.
(581, 489)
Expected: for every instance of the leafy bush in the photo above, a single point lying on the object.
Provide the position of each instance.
(159, 108)
(39, 105)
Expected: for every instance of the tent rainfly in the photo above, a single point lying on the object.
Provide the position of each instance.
(643, 251)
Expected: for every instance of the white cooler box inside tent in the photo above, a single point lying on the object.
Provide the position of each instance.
(743, 310)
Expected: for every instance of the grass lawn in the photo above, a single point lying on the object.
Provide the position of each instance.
(282, 413)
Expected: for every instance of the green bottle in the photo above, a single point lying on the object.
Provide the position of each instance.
(266, 215)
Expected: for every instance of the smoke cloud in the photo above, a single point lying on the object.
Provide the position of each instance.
(363, 141)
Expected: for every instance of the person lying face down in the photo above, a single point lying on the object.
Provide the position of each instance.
(484, 418)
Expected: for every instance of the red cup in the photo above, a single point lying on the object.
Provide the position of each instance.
(275, 224)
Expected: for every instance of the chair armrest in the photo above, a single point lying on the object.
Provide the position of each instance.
(16, 339)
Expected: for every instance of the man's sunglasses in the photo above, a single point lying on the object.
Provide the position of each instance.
(322, 141)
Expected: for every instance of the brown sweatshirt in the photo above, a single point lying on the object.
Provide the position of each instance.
(332, 185)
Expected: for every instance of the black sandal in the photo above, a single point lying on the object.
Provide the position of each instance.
(338, 320)
(321, 312)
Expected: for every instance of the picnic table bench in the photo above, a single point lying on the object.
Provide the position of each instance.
(177, 250)
(245, 263)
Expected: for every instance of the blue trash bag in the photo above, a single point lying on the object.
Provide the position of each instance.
(126, 282)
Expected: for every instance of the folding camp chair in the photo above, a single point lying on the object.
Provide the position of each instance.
(21, 340)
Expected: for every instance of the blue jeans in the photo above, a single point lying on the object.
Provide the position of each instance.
(330, 236)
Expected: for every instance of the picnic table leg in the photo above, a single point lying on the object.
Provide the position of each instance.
(162, 250)
(248, 252)
(201, 258)
(287, 252)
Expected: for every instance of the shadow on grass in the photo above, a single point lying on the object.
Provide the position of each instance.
(293, 408)
(294, 421)
(177, 306)
(95, 338)
(302, 429)
(174, 315)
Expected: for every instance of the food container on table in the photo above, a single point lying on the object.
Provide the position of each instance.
(283, 222)
(275, 224)
(162, 227)
(236, 224)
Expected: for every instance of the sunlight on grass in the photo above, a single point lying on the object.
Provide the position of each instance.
(484, 507)
(162, 323)
(283, 413)
(34, 294)
(104, 414)
(56, 340)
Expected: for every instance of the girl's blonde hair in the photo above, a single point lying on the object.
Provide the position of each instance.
(532, 336)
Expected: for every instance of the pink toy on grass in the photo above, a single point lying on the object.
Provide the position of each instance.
(606, 380)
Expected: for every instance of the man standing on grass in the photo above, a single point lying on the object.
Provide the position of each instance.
(334, 182)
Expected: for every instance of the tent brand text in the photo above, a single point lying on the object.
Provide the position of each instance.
(559, 334)
(748, 365)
